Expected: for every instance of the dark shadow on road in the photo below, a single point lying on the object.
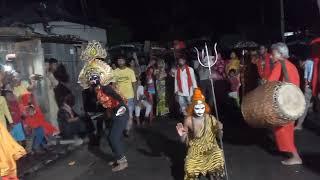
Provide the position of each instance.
(311, 161)
(312, 123)
(100, 154)
(159, 145)
(236, 130)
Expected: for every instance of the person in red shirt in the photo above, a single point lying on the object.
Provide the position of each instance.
(315, 84)
(285, 71)
(234, 80)
(17, 130)
(264, 63)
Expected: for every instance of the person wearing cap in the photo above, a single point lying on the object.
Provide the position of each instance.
(199, 131)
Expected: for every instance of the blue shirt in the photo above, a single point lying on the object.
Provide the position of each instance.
(308, 70)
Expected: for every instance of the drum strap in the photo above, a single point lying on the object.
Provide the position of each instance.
(284, 71)
(271, 64)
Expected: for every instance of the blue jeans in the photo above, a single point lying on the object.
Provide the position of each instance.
(130, 109)
(131, 106)
(308, 96)
(184, 102)
(118, 125)
(38, 138)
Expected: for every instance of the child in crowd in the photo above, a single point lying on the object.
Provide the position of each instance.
(143, 101)
(36, 141)
(151, 88)
(234, 81)
(37, 128)
(17, 130)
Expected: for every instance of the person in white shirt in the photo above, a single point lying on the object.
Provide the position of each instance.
(185, 83)
(307, 65)
(142, 102)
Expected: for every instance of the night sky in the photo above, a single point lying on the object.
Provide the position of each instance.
(169, 19)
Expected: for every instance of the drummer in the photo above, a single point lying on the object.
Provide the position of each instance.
(285, 71)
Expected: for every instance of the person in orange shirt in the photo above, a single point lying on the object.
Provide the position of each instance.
(285, 71)
(264, 63)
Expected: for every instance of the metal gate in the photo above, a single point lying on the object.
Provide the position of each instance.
(68, 55)
(28, 61)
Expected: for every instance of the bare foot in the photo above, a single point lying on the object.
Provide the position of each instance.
(292, 161)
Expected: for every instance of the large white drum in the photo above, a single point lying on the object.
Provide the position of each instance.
(273, 104)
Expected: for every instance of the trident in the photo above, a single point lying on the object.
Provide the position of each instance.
(209, 66)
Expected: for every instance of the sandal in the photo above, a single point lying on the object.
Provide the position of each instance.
(112, 163)
(120, 166)
(116, 162)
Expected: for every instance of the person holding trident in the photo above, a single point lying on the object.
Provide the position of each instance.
(199, 131)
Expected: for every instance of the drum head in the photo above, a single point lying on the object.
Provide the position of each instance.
(291, 101)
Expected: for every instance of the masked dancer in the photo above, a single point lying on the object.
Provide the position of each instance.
(99, 75)
(199, 132)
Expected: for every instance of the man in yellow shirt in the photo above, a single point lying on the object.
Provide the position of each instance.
(125, 79)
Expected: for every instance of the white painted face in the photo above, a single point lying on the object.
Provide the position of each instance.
(199, 109)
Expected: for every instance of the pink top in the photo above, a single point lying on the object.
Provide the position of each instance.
(235, 83)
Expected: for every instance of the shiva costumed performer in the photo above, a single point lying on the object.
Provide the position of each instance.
(285, 71)
(99, 75)
(199, 132)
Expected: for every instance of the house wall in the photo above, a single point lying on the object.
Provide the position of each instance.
(84, 32)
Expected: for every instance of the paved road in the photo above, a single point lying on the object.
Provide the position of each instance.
(155, 153)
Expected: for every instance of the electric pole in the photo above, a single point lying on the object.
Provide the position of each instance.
(282, 20)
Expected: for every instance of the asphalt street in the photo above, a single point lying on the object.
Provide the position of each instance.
(156, 153)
